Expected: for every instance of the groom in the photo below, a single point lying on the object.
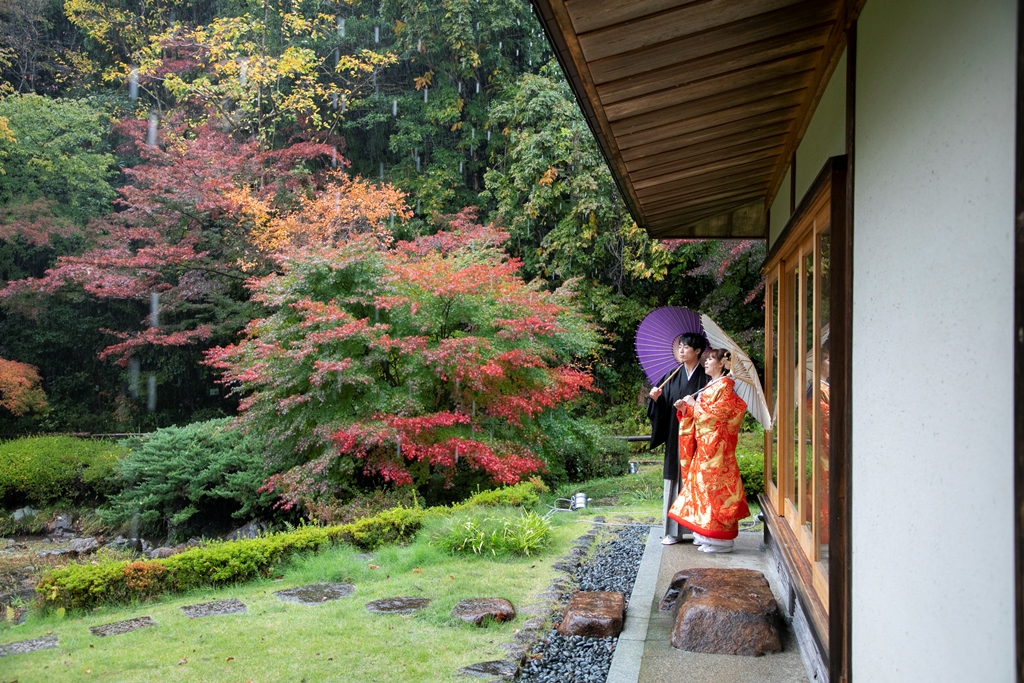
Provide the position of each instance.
(661, 410)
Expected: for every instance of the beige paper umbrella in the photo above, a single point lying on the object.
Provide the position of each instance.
(743, 372)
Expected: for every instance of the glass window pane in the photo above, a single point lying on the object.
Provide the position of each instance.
(821, 455)
(773, 399)
(795, 381)
(807, 386)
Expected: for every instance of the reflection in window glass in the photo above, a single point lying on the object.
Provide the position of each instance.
(807, 392)
(822, 417)
(796, 365)
(773, 404)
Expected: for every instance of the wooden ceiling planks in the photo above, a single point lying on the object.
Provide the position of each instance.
(697, 104)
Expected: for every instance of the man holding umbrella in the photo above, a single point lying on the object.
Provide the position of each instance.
(685, 380)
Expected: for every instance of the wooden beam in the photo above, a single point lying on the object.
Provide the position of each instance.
(774, 122)
(668, 25)
(753, 174)
(751, 90)
(743, 158)
(716, 152)
(680, 156)
(743, 221)
(614, 72)
(751, 182)
(663, 103)
(669, 80)
(593, 15)
(693, 210)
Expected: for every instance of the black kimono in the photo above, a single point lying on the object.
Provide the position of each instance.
(662, 413)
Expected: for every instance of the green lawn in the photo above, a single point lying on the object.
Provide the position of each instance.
(333, 641)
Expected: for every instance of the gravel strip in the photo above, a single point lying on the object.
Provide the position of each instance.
(577, 659)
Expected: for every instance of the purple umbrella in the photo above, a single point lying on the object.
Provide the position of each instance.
(657, 333)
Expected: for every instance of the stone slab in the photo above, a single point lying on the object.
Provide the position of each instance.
(501, 668)
(215, 608)
(316, 593)
(400, 605)
(21, 647)
(117, 628)
(723, 611)
(594, 614)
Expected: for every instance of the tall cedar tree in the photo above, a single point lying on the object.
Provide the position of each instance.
(393, 364)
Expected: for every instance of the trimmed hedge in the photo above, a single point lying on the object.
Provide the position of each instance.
(53, 470)
(81, 586)
(524, 494)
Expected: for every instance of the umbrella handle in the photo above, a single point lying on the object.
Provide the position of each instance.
(660, 386)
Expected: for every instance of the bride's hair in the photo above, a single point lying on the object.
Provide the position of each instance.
(722, 356)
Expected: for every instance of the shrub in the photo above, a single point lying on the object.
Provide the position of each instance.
(86, 585)
(524, 495)
(54, 470)
(494, 533)
(188, 480)
(750, 458)
(579, 449)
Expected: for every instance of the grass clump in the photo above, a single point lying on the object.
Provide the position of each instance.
(494, 533)
(56, 470)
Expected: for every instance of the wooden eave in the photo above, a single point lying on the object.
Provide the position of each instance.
(698, 105)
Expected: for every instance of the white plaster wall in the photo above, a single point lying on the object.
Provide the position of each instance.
(825, 137)
(826, 134)
(779, 213)
(932, 476)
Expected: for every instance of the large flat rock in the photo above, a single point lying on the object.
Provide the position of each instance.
(594, 614)
(723, 611)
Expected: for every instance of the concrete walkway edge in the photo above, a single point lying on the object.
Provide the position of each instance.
(629, 650)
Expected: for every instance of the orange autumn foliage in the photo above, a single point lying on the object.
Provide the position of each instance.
(344, 207)
(20, 388)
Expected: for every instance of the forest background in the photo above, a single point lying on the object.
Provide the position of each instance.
(160, 156)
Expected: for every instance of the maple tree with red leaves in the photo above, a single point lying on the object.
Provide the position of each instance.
(396, 363)
(202, 214)
(20, 388)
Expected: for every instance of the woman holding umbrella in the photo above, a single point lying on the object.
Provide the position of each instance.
(686, 379)
(711, 498)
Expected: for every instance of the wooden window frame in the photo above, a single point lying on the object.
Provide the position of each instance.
(824, 599)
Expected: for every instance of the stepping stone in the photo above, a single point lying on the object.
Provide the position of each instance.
(404, 605)
(500, 668)
(533, 624)
(516, 650)
(479, 610)
(118, 627)
(211, 609)
(316, 593)
(539, 609)
(567, 564)
(596, 614)
(723, 611)
(22, 646)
